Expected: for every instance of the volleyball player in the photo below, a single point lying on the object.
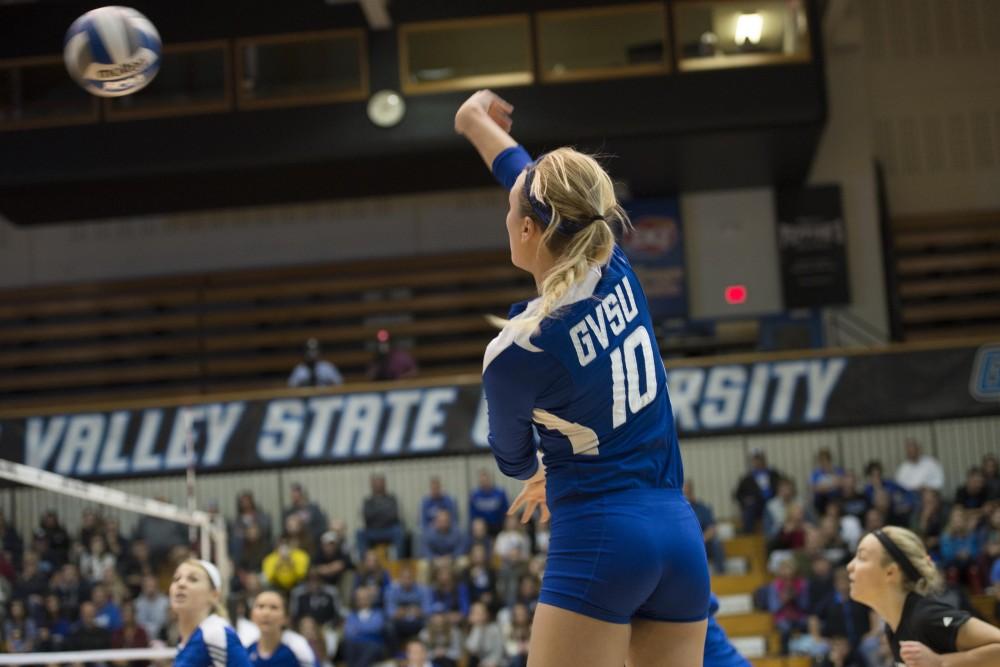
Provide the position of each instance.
(207, 639)
(893, 574)
(277, 646)
(719, 652)
(626, 577)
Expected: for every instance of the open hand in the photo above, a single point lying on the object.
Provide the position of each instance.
(532, 497)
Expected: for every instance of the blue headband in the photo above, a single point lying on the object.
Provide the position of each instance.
(544, 212)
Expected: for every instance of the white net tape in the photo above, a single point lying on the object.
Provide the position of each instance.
(70, 657)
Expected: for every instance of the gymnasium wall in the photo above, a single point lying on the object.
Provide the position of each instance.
(714, 464)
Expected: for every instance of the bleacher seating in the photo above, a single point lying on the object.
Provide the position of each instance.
(948, 271)
(245, 329)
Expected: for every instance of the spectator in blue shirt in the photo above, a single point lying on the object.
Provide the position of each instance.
(706, 519)
(825, 480)
(489, 503)
(436, 500)
(365, 632)
(108, 615)
(442, 538)
(407, 604)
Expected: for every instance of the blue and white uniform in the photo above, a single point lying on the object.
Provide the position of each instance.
(624, 541)
(292, 651)
(213, 644)
(718, 651)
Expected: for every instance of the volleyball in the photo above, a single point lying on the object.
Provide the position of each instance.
(112, 51)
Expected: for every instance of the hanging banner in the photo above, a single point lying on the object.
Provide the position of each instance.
(655, 248)
(767, 395)
(812, 247)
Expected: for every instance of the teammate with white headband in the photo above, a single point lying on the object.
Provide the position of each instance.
(206, 638)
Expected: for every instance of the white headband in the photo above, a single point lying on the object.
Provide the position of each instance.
(213, 574)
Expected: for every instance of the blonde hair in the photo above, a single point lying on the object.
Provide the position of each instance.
(218, 608)
(909, 543)
(581, 196)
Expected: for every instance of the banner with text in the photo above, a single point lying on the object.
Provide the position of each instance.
(785, 394)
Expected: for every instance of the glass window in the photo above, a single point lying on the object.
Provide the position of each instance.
(603, 42)
(738, 33)
(308, 68)
(193, 78)
(38, 92)
(465, 54)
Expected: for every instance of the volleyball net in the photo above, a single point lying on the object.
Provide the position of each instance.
(209, 534)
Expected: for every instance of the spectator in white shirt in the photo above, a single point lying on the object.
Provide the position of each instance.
(152, 609)
(919, 471)
(313, 371)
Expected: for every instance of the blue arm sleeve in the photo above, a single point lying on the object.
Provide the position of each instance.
(508, 164)
(512, 383)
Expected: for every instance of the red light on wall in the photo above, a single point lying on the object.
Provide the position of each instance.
(736, 294)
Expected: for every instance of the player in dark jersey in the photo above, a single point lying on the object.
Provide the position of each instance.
(893, 574)
(277, 646)
(626, 578)
(207, 639)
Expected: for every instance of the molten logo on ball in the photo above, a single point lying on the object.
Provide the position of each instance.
(112, 51)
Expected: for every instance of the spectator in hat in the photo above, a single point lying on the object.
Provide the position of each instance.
(332, 559)
(755, 489)
(391, 362)
(313, 371)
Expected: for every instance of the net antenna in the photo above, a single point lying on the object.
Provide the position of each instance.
(212, 531)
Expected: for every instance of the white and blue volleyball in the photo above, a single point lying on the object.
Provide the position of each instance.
(112, 51)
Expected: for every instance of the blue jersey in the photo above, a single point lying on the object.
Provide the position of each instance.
(292, 651)
(718, 651)
(590, 380)
(213, 644)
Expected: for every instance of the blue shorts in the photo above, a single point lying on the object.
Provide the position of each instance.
(629, 554)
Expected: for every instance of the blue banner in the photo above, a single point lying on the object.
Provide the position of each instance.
(655, 248)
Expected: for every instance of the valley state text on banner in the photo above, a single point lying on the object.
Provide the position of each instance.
(777, 394)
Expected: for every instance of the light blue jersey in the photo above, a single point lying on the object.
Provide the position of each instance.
(293, 651)
(590, 380)
(213, 644)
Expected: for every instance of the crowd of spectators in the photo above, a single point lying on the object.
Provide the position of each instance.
(459, 587)
(812, 528)
(462, 584)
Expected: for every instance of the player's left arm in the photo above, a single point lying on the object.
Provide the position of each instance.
(977, 644)
(510, 400)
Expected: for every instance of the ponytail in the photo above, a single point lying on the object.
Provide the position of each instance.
(570, 196)
(930, 580)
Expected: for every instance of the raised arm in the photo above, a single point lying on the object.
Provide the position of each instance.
(484, 119)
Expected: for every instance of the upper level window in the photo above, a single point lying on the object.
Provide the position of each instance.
(603, 42)
(304, 68)
(193, 78)
(465, 54)
(712, 34)
(38, 92)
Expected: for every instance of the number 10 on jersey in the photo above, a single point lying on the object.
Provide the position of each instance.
(631, 380)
